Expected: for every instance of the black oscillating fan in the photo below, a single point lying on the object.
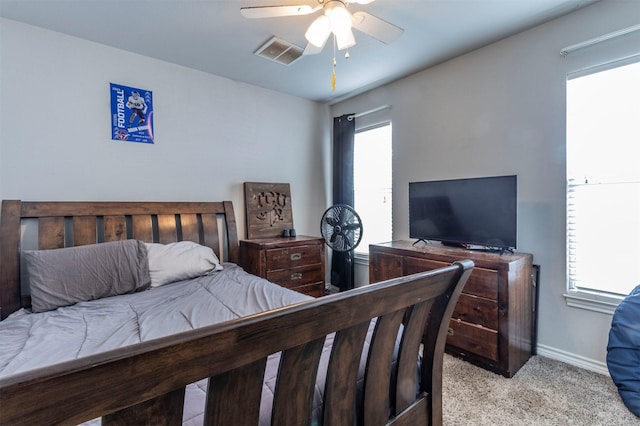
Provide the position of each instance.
(341, 227)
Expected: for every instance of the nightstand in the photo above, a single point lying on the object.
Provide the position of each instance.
(296, 263)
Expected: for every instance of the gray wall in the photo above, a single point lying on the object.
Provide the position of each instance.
(211, 133)
(501, 110)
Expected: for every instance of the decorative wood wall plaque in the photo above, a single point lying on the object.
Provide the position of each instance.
(268, 209)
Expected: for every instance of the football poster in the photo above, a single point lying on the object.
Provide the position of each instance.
(131, 114)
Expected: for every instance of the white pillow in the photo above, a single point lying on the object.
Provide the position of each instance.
(179, 261)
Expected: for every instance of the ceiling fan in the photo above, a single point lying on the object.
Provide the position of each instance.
(335, 19)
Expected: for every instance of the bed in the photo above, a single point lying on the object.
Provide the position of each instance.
(272, 357)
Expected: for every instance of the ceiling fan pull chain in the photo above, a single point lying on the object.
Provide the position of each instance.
(333, 77)
(333, 70)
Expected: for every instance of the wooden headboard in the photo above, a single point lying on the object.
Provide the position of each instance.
(58, 224)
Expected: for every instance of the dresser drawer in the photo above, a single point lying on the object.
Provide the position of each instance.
(296, 277)
(473, 338)
(477, 310)
(293, 256)
(482, 282)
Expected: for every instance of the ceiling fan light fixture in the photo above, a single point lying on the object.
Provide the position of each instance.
(339, 17)
(337, 20)
(345, 39)
(318, 31)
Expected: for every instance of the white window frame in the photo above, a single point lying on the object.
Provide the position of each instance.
(576, 296)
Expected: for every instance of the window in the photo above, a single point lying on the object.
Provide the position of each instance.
(372, 184)
(603, 181)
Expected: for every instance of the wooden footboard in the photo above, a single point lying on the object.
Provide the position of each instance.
(144, 383)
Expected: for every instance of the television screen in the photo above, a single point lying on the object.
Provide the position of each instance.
(476, 211)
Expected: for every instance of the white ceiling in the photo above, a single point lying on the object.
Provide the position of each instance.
(212, 36)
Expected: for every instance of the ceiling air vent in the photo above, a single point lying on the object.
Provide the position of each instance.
(279, 50)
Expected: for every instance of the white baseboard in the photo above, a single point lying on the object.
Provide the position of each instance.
(573, 359)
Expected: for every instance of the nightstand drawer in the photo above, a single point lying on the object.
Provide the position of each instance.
(313, 289)
(296, 277)
(293, 256)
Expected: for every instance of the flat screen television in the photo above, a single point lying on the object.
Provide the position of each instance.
(465, 212)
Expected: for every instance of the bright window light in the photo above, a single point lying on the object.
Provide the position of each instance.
(372, 185)
(603, 180)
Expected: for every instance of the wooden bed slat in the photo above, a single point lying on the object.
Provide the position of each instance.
(431, 380)
(51, 233)
(211, 238)
(293, 397)
(142, 227)
(379, 362)
(233, 243)
(234, 397)
(115, 228)
(416, 414)
(84, 230)
(189, 225)
(167, 229)
(407, 367)
(341, 383)
(10, 297)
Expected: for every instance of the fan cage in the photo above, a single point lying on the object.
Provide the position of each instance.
(341, 227)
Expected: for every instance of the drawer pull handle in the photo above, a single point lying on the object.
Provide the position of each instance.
(296, 276)
(450, 331)
(296, 256)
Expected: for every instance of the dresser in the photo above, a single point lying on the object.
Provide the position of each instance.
(493, 322)
(297, 263)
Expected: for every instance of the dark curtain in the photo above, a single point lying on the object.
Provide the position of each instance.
(344, 129)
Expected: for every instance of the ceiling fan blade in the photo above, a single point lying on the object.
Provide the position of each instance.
(376, 27)
(256, 12)
(310, 49)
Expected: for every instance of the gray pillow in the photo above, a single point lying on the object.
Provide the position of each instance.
(62, 277)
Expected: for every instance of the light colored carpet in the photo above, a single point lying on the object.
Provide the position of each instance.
(543, 392)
